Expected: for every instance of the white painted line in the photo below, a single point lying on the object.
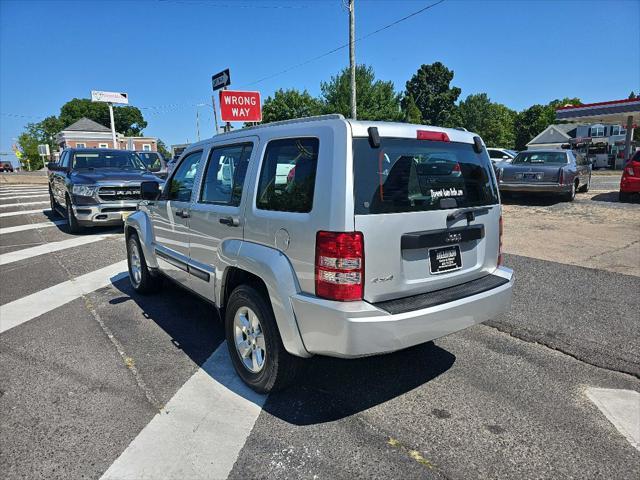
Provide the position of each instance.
(24, 212)
(24, 191)
(32, 306)
(26, 253)
(6, 205)
(622, 408)
(31, 226)
(11, 196)
(199, 433)
(23, 187)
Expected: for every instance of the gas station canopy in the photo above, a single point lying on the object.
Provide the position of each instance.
(618, 112)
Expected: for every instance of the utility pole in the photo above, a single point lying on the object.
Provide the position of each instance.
(113, 126)
(215, 113)
(352, 56)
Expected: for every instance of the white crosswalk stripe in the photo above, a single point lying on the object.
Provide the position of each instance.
(30, 195)
(24, 212)
(26, 253)
(31, 226)
(199, 433)
(7, 205)
(32, 306)
(622, 409)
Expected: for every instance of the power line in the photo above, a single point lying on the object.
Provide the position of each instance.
(341, 47)
(174, 106)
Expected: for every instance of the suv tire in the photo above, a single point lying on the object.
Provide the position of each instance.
(139, 275)
(74, 226)
(250, 326)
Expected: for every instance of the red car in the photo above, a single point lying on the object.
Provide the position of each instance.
(630, 181)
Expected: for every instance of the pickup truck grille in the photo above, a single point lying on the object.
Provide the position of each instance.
(110, 194)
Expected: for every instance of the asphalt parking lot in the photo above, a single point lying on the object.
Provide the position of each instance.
(99, 382)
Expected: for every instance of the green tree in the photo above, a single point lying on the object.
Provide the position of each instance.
(530, 123)
(410, 111)
(536, 118)
(29, 159)
(431, 90)
(291, 103)
(494, 122)
(377, 99)
(35, 134)
(164, 151)
(632, 95)
(129, 120)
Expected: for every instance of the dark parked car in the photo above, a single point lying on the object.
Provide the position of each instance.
(96, 186)
(6, 167)
(155, 163)
(555, 171)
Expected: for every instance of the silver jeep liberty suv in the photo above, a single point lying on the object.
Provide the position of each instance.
(324, 236)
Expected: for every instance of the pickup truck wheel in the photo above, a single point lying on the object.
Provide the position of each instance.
(72, 221)
(141, 279)
(54, 205)
(254, 342)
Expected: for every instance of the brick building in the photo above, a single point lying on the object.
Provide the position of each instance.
(86, 133)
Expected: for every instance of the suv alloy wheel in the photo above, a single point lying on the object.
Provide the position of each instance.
(139, 275)
(254, 343)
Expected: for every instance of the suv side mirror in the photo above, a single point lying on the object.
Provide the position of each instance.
(149, 191)
(53, 166)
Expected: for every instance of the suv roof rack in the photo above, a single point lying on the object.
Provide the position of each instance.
(331, 116)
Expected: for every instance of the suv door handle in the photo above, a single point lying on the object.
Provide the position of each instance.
(182, 213)
(229, 221)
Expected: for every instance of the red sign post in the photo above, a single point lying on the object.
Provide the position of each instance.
(240, 106)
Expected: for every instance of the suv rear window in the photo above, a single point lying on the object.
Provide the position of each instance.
(406, 175)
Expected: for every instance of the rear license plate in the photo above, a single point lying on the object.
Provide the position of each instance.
(532, 176)
(125, 215)
(444, 259)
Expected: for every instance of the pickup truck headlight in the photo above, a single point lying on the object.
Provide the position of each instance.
(84, 190)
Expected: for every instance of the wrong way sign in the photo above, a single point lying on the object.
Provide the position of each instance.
(240, 106)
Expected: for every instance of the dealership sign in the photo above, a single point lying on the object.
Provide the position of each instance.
(109, 97)
(240, 106)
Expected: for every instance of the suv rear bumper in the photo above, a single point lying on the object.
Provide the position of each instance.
(356, 329)
(104, 213)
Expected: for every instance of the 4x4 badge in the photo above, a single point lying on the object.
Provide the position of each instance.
(382, 279)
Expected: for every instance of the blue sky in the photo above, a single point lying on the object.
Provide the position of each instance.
(163, 53)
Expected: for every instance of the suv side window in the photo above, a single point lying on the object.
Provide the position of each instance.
(288, 175)
(181, 183)
(225, 174)
(495, 154)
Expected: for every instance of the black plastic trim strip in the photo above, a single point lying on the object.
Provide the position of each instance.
(172, 260)
(196, 272)
(438, 238)
(438, 297)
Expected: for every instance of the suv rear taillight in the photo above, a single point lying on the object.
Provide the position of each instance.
(500, 230)
(340, 265)
(561, 177)
(630, 171)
